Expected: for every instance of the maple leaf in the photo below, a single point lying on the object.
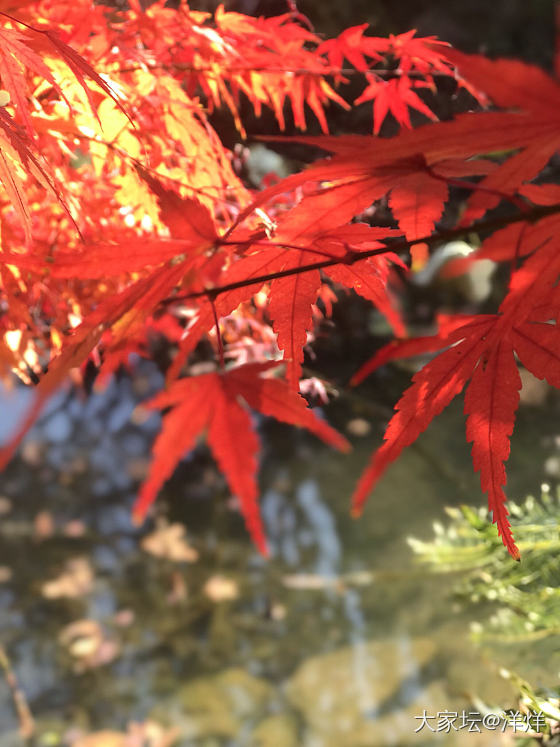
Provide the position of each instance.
(170, 233)
(352, 45)
(415, 172)
(259, 70)
(414, 346)
(19, 49)
(417, 203)
(186, 218)
(17, 149)
(482, 350)
(192, 235)
(290, 306)
(18, 56)
(125, 313)
(208, 309)
(537, 345)
(417, 52)
(414, 54)
(395, 96)
(105, 260)
(529, 93)
(432, 389)
(490, 404)
(291, 298)
(303, 232)
(212, 402)
(14, 53)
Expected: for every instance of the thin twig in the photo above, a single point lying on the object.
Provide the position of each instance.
(327, 70)
(351, 257)
(218, 334)
(25, 717)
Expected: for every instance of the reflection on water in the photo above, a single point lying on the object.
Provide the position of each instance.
(337, 640)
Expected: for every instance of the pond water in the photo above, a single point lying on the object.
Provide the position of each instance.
(190, 637)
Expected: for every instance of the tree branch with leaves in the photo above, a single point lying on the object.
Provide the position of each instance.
(125, 217)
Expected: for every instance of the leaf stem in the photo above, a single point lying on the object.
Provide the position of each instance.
(211, 298)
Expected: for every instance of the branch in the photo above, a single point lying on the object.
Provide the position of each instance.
(351, 257)
(210, 72)
(26, 722)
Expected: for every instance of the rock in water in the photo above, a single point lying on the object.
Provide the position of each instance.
(363, 695)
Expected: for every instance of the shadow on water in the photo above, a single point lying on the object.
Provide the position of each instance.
(338, 639)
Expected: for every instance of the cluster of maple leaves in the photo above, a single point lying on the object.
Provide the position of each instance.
(124, 219)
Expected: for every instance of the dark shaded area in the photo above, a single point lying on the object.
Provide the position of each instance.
(517, 28)
(505, 27)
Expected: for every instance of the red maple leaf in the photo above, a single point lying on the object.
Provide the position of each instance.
(352, 45)
(532, 98)
(211, 261)
(416, 52)
(305, 237)
(213, 402)
(395, 96)
(482, 350)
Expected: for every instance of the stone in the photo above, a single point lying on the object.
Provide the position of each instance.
(278, 730)
(375, 694)
(223, 705)
(359, 696)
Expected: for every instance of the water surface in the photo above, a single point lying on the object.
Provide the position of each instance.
(339, 638)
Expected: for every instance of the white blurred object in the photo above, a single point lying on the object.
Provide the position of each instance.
(263, 161)
(474, 285)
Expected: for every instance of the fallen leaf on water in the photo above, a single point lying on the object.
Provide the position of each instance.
(32, 452)
(74, 528)
(43, 525)
(358, 427)
(124, 618)
(221, 589)
(168, 541)
(152, 734)
(88, 644)
(76, 580)
(147, 734)
(310, 582)
(102, 739)
(278, 611)
(314, 582)
(179, 591)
